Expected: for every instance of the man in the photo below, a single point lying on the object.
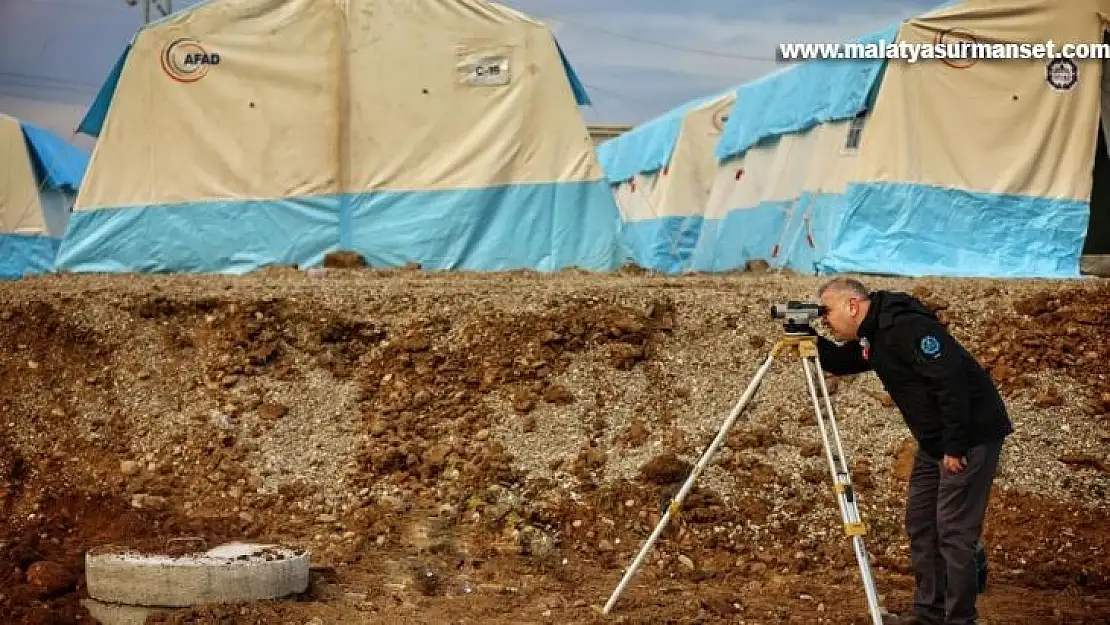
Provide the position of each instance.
(957, 416)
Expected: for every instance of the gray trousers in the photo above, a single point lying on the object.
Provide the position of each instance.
(944, 518)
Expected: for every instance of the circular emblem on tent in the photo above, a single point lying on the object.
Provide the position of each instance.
(185, 60)
(1062, 74)
(956, 45)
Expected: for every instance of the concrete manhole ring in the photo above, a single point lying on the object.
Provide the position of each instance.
(233, 572)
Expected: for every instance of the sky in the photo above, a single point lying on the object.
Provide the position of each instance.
(637, 58)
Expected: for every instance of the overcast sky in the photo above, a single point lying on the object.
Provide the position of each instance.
(638, 58)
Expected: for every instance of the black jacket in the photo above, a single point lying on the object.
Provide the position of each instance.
(947, 399)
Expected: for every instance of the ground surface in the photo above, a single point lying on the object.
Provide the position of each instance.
(494, 449)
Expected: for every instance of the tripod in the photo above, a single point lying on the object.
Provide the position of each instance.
(797, 340)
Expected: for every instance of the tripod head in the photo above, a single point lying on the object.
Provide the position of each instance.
(797, 316)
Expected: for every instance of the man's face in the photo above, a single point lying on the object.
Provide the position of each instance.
(843, 316)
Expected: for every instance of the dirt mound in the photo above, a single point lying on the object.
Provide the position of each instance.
(425, 385)
(665, 470)
(496, 449)
(1062, 331)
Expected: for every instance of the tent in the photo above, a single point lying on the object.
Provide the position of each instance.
(954, 167)
(981, 168)
(238, 134)
(38, 181)
(782, 164)
(661, 173)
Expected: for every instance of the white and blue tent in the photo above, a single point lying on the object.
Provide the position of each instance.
(39, 178)
(661, 173)
(783, 160)
(238, 134)
(969, 167)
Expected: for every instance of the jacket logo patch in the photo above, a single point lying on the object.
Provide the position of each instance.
(930, 346)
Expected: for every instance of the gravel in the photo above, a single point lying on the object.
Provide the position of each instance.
(722, 333)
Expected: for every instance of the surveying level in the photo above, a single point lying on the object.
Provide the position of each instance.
(797, 316)
(800, 339)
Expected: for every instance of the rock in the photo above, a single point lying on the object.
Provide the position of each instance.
(665, 469)
(148, 502)
(536, 543)
(812, 449)
(344, 260)
(523, 403)
(757, 266)
(272, 411)
(1049, 398)
(426, 581)
(557, 394)
(1083, 461)
(49, 578)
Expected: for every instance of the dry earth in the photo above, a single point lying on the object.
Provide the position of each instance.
(495, 448)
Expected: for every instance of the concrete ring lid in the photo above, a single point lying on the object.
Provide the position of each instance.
(233, 572)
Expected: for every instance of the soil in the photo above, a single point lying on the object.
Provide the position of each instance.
(496, 448)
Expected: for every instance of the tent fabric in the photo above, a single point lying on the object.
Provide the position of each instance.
(662, 210)
(20, 204)
(664, 244)
(964, 194)
(460, 229)
(37, 184)
(581, 96)
(801, 96)
(647, 147)
(326, 125)
(489, 229)
(93, 121)
(62, 164)
(955, 232)
(788, 234)
(923, 141)
(938, 183)
(779, 202)
(231, 237)
(24, 255)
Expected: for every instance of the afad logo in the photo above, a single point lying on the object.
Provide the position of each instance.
(185, 60)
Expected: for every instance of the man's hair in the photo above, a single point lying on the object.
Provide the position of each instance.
(847, 286)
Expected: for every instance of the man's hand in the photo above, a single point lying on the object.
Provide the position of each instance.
(954, 464)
